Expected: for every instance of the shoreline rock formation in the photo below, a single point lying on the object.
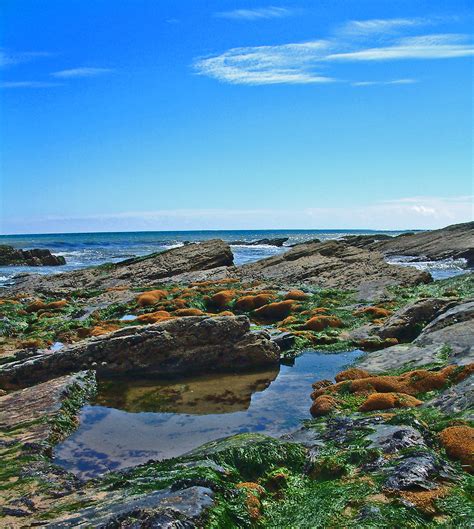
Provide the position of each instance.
(10, 256)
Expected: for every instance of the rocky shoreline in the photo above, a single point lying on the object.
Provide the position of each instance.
(391, 439)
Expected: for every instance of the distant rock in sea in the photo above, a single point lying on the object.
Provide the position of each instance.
(10, 256)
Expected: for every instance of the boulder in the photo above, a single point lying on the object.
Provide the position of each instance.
(10, 256)
(456, 399)
(183, 345)
(333, 264)
(136, 272)
(407, 323)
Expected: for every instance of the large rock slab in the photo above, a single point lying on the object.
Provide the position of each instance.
(456, 241)
(140, 271)
(10, 256)
(333, 264)
(449, 336)
(182, 345)
(456, 399)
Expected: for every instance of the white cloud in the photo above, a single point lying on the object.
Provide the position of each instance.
(83, 71)
(256, 13)
(9, 58)
(398, 214)
(27, 84)
(380, 25)
(390, 82)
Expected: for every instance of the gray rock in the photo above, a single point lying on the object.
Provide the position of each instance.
(181, 345)
(407, 323)
(333, 264)
(456, 399)
(140, 271)
(180, 509)
(284, 340)
(391, 439)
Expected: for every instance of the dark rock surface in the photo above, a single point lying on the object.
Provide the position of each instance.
(456, 399)
(333, 265)
(10, 256)
(140, 271)
(182, 345)
(267, 242)
(391, 439)
(169, 509)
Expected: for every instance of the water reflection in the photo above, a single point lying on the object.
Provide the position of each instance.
(134, 421)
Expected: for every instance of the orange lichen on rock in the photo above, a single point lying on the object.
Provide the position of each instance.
(32, 343)
(352, 373)
(425, 500)
(103, 328)
(154, 317)
(253, 492)
(188, 312)
(252, 302)
(374, 312)
(323, 405)
(276, 311)
(288, 321)
(458, 441)
(296, 295)
(221, 299)
(150, 298)
(319, 323)
(37, 305)
(385, 401)
(223, 313)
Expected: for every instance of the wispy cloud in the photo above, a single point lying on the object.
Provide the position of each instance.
(10, 58)
(256, 13)
(391, 82)
(307, 62)
(380, 25)
(83, 71)
(27, 84)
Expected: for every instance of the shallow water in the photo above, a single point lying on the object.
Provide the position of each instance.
(133, 421)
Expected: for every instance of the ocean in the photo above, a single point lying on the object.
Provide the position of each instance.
(88, 249)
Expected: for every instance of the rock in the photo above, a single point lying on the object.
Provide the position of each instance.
(10, 256)
(39, 403)
(191, 344)
(333, 265)
(456, 241)
(456, 399)
(140, 271)
(392, 439)
(266, 242)
(417, 471)
(284, 340)
(449, 336)
(406, 324)
(167, 509)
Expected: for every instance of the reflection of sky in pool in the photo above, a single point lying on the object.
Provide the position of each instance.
(134, 421)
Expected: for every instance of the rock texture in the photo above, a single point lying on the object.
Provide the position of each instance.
(140, 271)
(333, 265)
(456, 241)
(181, 345)
(450, 334)
(267, 242)
(10, 256)
(456, 399)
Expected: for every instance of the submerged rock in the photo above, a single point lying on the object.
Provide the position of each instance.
(267, 242)
(182, 345)
(10, 256)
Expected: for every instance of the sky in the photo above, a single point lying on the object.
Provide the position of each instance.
(122, 115)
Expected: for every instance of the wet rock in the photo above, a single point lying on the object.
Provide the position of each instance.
(141, 271)
(164, 509)
(407, 323)
(10, 256)
(418, 471)
(284, 340)
(391, 439)
(333, 265)
(456, 399)
(182, 345)
(267, 242)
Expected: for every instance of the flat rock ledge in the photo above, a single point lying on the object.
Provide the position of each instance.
(183, 345)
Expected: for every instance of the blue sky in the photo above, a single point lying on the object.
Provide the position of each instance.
(185, 114)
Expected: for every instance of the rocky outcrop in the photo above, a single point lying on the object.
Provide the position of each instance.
(279, 242)
(450, 335)
(139, 271)
(456, 241)
(10, 256)
(182, 345)
(333, 265)
(456, 399)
